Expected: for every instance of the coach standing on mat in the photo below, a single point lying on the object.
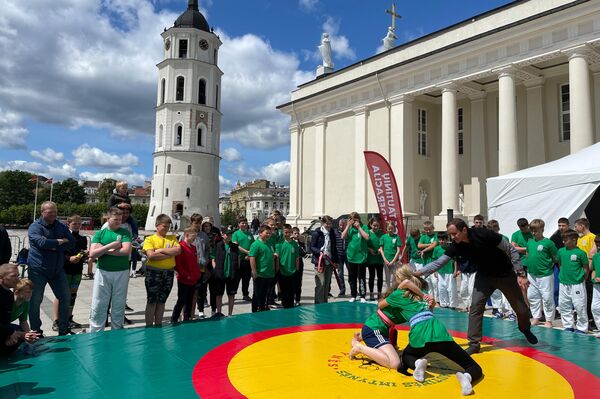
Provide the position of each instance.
(498, 267)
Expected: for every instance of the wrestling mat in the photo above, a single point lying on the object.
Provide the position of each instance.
(294, 353)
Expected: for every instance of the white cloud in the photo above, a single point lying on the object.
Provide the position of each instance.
(136, 179)
(62, 172)
(56, 172)
(231, 154)
(47, 155)
(12, 134)
(86, 155)
(278, 172)
(308, 5)
(340, 45)
(225, 185)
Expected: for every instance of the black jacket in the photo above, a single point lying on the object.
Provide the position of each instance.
(317, 240)
(220, 260)
(5, 246)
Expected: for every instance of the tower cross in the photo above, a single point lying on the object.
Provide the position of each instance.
(392, 12)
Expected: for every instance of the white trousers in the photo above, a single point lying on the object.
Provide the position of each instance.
(573, 297)
(389, 271)
(467, 281)
(109, 287)
(432, 282)
(541, 295)
(500, 302)
(596, 303)
(447, 290)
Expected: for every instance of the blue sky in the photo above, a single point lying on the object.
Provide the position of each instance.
(78, 77)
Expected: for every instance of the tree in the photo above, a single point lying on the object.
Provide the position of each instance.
(105, 190)
(229, 218)
(68, 191)
(16, 188)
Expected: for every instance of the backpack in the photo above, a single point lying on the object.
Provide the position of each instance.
(22, 256)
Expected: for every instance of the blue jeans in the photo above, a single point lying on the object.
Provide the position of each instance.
(60, 288)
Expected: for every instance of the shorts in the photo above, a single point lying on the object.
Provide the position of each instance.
(220, 286)
(73, 281)
(374, 338)
(158, 285)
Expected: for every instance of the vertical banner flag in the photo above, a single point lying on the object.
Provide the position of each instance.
(386, 194)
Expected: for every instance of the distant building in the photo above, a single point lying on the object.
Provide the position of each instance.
(259, 198)
(224, 203)
(91, 190)
(140, 195)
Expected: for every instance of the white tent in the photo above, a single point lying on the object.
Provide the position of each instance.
(561, 188)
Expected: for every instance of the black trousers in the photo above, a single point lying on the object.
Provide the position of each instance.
(201, 290)
(185, 299)
(375, 269)
(357, 271)
(286, 290)
(298, 282)
(261, 290)
(448, 349)
(246, 272)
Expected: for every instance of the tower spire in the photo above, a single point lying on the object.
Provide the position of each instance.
(193, 5)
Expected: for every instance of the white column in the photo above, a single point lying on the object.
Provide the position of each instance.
(580, 99)
(449, 164)
(360, 172)
(320, 127)
(507, 122)
(294, 147)
(477, 203)
(403, 149)
(536, 144)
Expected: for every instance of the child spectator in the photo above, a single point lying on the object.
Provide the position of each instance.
(374, 259)
(520, 237)
(296, 236)
(356, 235)
(20, 309)
(288, 253)
(112, 247)
(446, 275)
(188, 274)
(74, 260)
(202, 245)
(415, 259)
(586, 243)
(390, 248)
(427, 242)
(541, 254)
(573, 263)
(263, 268)
(161, 250)
(226, 272)
(596, 284)
(244, 238)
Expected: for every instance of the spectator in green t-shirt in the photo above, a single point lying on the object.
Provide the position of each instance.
(263, 268)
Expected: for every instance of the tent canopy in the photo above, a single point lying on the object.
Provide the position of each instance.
(561, 188)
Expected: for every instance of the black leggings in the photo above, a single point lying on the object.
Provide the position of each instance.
(448, 349)
(375, 268)
(185, 299)
(357, 271)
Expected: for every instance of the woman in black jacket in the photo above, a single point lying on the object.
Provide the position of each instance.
(322, 247)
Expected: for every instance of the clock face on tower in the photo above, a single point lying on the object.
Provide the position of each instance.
(203, 44)
(167, 44)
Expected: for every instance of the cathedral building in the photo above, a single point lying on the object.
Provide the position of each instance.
(511, 88)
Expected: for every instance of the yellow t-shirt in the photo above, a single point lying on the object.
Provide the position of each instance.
(586, 243)
(155, 242)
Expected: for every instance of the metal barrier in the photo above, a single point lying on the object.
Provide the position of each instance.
(16, 245)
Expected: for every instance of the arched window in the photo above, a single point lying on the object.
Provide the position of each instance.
(188, 192)
(168, 168)
(162, 92)
(215, 55)
(217, 97)
(199, 141)
(189, 169)
(179, 89)
(183, 47)
(160, 136)
(155, 169)
(166, 192)
(202, 91)
(179, 135)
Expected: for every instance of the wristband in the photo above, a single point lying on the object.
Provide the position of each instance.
(521, 273)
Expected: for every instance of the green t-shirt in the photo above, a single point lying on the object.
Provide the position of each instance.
(356, 249)
(288, 252)
(227, 262)
(111, 263)
(390, 244)
(263, 254)
(414, 250)
(540, 257)
(244, 239)
(400, 310)
(428, 239)
(596, 266)
(572, 265)
(273, 240)
(20, 311)
(373, 244)
(521, 240)
(448, 268)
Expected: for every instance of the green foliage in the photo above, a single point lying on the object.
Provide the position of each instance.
(105, 190)
(139, 213)
(15, 188)
(68, 190)
(229, 218)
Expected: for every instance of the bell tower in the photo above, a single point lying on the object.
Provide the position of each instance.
(185, 177)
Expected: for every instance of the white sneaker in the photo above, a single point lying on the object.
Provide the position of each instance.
(201, 315)
(363, 300)
(465, 383)
(420, 368)
(352, 300)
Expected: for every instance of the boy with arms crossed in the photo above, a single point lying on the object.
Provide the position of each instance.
(263, 268)
(244, 238)
(288, 253)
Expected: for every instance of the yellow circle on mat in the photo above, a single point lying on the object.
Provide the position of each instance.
(315, 364)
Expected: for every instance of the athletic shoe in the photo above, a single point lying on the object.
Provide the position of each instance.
(297, 303)
(569, 329)
(580, 332)
(55, 325)
(512, 317)
(420, 368)
(532, 339)
(247, 298)
(465, 383)
(74, 324)
(498, 315)
(363, 300)
(352, 299)
(474, 348)
(66, 332)
(128, 308)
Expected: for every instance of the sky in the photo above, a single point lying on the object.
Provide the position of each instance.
(78, 78)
